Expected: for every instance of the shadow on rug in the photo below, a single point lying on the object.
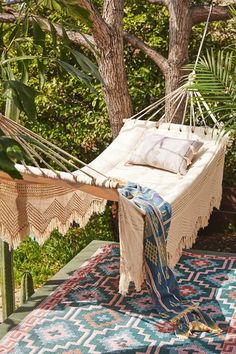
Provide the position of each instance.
(87, 315)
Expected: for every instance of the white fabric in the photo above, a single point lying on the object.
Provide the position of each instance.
(163, 152)
(45, 200)
(192, 196)
(131, 227)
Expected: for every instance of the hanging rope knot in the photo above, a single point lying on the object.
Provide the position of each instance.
(120, 182)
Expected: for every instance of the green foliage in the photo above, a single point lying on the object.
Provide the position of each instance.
(74, 10)
(230, 162)
(233, 11)
(10, 152)
(72, 117)
(215, 80)
(23, 97)
(44, 261)
(25, 45)
(149, 23)
(26, 52)
(51, 4)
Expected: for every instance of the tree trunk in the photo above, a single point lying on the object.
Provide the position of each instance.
(174, 107)
(179, 31)
(108, 36)
(107, 31)
(112, 70)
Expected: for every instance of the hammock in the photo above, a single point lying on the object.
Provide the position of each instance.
(49, 197)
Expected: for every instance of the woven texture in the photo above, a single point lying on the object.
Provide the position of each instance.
(45, 200)
(37, 209)
(87, 315)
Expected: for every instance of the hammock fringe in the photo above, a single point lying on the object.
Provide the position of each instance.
(201, 222)
(55, 223)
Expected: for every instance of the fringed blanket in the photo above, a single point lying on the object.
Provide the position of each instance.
(161, 280)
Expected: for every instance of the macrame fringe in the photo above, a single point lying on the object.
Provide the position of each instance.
(96, 207)
(201, 222)
(193, 319)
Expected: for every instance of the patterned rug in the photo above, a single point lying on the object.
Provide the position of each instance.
(87, 315)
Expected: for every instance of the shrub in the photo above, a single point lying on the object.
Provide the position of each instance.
(44, 261)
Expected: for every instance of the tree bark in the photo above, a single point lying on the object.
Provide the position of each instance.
(107, 32)
(111, 67)
(156, 57)
(179, 32)
(200, 13)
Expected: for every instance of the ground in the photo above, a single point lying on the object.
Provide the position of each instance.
(219, 242)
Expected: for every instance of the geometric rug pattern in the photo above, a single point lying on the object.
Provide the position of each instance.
(86, 314)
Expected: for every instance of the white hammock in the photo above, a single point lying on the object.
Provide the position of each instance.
(47, 198)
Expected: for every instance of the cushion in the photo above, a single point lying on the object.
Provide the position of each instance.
(167, 153)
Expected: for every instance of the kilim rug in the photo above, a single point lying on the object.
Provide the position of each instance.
(86, 314)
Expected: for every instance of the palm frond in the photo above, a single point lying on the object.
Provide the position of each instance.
(214, 78)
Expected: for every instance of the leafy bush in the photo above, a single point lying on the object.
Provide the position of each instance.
(44, 261)
(229, 179)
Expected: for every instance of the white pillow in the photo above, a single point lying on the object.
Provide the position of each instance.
(167, 153)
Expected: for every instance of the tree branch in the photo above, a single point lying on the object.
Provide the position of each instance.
(99, 28)
(158, 59)
(159, 2)
(200, 13)
(76, 38)
(112, 13)
(79, 39)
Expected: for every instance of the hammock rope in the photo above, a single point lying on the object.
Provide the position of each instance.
(56, 154)
(192, 96)
(203, 37)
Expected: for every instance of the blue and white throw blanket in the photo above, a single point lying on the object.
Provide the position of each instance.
(161, 281)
